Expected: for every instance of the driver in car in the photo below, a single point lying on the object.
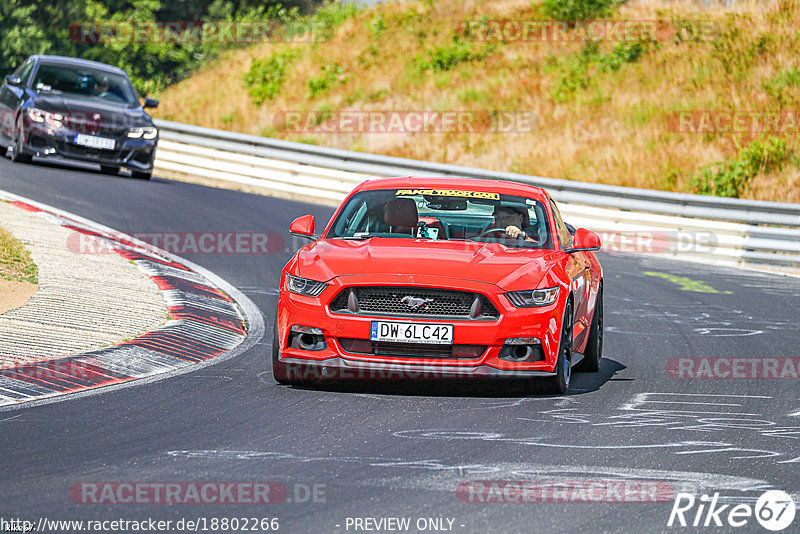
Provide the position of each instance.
(101, 86)
(512, 220)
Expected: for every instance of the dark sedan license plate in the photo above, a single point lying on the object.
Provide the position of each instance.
(436, 334)
(94, 141)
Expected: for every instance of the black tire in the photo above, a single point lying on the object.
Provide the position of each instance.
(594, 347)
(558, 384)
(139, 175)
(18, 154)
(279, 370)
(109, 169)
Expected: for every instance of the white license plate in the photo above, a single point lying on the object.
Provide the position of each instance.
(436, 334)
(94, 141)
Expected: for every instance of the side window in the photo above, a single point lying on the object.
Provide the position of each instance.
(26, 73)
(18, 72)
(561, 229)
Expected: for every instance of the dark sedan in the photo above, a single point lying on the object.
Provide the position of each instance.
(82, 110)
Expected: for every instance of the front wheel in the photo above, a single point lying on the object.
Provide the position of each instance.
(141, 175)
(279, 371)
(559, 383)
(18, 154)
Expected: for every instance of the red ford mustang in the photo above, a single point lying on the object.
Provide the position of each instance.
(441, 278)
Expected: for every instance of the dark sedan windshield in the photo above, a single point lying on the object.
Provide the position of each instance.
(84, 82)
(442, 214)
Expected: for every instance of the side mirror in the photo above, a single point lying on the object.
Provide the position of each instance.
(584, 241)
(303, 227)
(150, 103)
(13, 80)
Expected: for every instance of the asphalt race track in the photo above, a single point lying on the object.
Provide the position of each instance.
(402, 449)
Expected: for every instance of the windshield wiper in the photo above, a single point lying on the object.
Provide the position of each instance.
(361, 236)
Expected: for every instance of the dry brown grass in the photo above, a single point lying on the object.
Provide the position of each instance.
(15, 261)
(614, 131)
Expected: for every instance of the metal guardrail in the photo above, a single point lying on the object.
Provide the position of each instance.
(744, 231)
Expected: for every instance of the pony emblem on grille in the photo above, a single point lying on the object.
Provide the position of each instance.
(415, 302)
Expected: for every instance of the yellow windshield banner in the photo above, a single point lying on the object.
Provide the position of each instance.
(448, 193)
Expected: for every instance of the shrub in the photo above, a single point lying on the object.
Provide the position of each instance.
(444, 58)
(332, 14)
(331, 75)
(377, 25)
(778, 85)
(265, 77)
(575, 10)
(575, 69)
(627, 52)
(447, 57)
(730, 178)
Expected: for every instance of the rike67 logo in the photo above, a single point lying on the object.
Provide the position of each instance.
(774, 510)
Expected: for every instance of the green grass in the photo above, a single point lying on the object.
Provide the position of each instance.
(730, 178)
(331, 75)
(265, 77)
(15, 260)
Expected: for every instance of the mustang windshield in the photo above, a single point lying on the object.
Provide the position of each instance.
(443, 214)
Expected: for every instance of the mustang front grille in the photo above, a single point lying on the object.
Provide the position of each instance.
(414, 302)
(411, 350)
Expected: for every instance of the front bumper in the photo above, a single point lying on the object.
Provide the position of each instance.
(135, 154)
(335, 362)
(343, 369)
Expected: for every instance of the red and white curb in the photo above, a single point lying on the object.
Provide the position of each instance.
(210, 320)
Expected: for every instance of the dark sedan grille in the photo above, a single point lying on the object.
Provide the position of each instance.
(96, 128)
(116, 133)
(411, 350)
(384, 300)
(78, 151)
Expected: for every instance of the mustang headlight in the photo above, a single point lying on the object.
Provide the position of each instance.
(531, 299)
(146, 133)
(304, 286)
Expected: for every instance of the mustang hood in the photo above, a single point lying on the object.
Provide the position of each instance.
(508, 268)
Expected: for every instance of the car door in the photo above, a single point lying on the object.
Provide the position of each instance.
(11, 97)
(579, 269)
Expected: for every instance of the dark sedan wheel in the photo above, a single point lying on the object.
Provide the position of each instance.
(141, 175)
(594, 347)
(18, 154)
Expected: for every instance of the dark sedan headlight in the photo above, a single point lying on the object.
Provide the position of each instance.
(532, 299)
(145, 133)
(304, 286)
(53, 120)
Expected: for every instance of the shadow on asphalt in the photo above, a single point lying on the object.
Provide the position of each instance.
(580, 384)
(81, 166)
